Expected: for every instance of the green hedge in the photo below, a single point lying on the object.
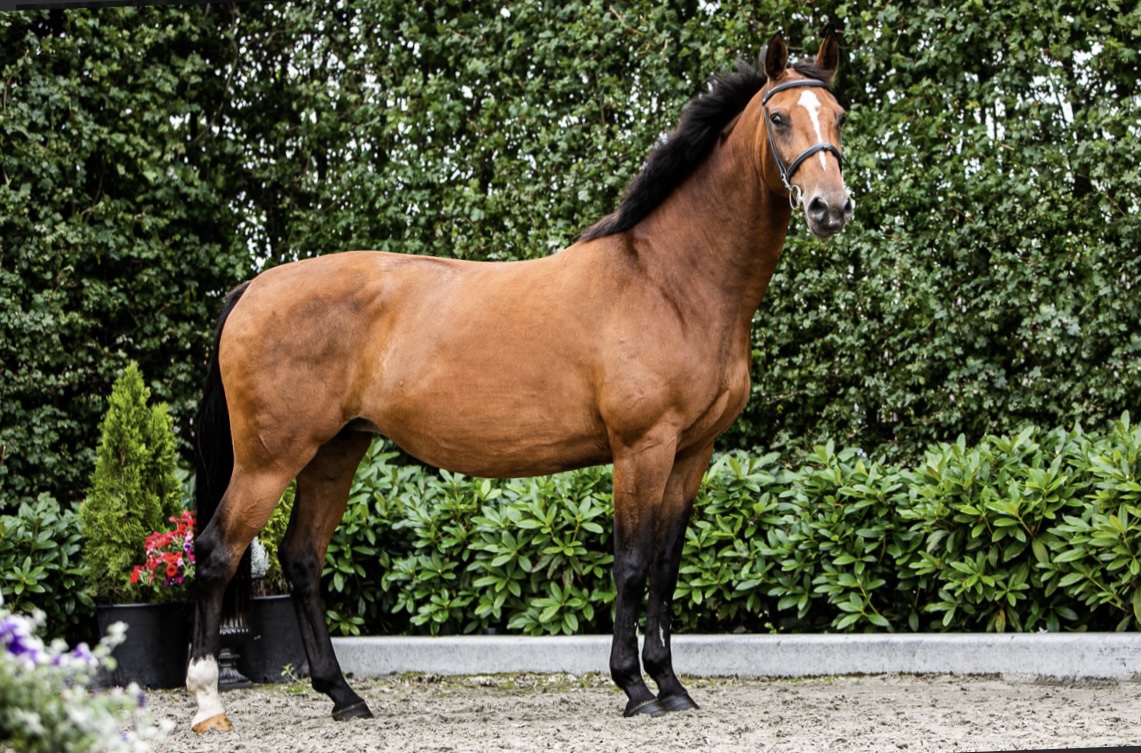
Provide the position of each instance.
(1039, 530)
(116, 239)
(150, 157)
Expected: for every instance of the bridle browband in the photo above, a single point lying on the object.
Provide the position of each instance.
(795, 193)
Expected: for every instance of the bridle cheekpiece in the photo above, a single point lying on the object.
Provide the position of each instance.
(795, 193)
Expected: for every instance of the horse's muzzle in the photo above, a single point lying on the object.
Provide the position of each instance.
(828, 211)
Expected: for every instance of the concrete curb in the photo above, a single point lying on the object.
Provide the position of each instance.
(1057, 655)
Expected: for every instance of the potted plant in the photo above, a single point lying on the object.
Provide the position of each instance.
(134, 492)
(274, 651)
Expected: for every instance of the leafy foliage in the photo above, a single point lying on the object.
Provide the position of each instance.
(40, 566)
(1039, 530)
(422, 553)
(134, 488)
(982, 283)
(154, 156)
(116, 236)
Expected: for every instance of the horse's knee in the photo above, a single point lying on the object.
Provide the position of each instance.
(630, 571)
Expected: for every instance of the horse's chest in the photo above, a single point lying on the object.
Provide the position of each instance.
(717, 403)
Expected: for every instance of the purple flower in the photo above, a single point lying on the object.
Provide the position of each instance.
(10, 625)
(17, 639)
(82, 653)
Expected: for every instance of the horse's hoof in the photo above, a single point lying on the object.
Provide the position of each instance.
(356, 711)
(680, 702)
(218, 722)
(651, 707)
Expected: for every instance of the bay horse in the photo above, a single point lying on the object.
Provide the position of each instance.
(630, 347)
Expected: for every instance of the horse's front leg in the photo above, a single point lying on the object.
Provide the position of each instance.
(677, 502)
(640, 475)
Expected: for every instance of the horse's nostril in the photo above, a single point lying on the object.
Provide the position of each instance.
(849, 207)
(817, 208)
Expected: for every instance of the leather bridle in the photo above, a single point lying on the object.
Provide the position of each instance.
(795, 193)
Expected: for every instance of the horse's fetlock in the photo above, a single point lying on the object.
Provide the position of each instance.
(324, 684)
(625, 670)
(655, 661)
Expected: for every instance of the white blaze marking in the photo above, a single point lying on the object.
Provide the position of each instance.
(810, 103)
(662, 636)
(202, 682)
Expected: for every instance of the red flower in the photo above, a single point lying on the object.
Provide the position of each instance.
(169, 555)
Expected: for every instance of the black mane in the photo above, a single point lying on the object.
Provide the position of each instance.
(672, 161)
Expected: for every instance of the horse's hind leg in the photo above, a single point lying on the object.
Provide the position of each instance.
(677, 502)
(243, 511)
(322, 493)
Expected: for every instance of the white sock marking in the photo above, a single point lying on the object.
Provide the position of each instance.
(811, 103)
(202, 682)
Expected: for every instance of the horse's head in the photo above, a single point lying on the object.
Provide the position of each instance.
(800, 146)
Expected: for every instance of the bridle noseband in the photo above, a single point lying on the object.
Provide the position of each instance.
(795, 193)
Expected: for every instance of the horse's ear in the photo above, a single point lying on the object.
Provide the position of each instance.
(776, 57)
(828, 57)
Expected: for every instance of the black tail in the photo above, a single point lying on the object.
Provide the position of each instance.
(214, 461)
(213, 445)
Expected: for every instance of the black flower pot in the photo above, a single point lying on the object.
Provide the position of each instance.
(158, 642)
(274, 642)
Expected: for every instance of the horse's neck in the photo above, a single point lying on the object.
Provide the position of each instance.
(720, 234)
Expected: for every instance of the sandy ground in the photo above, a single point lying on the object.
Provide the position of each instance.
(569, 713)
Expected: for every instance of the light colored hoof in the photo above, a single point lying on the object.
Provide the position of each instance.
(218, 722)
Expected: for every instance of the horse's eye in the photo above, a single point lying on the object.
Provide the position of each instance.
(777, 119)
(840, 121)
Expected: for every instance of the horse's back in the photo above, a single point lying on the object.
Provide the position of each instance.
(474, 366)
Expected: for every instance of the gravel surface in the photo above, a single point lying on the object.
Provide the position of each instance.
(583, 713)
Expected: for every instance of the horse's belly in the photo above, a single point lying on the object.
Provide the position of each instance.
(495, 454)
(507, 433)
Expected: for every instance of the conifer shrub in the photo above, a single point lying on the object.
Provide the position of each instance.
(134, 488)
